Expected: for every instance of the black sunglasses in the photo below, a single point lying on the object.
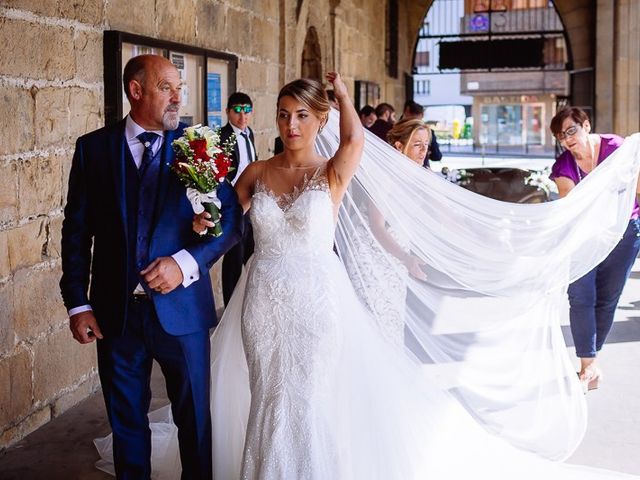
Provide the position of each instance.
(242, 108)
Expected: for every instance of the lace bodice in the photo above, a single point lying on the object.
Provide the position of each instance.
(296, 223)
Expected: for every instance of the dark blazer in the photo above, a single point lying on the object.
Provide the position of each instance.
(225, 134)
(380, 128)
(434, 151)
(434, 148)
(96, 216)
(278, 146)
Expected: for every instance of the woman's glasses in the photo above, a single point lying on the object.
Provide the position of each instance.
(242, 108)
(569, 132)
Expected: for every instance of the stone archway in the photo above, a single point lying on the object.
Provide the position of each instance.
(579, 20)
(312, 56)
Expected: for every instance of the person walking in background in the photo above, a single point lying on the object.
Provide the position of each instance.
(240, 113)
(367, 116)
(134, 276)
(412, 137)
(386, 118)
(413, 109)
(594, 297)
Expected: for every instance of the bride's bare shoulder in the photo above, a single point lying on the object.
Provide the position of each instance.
(260, 166)
(252, 172)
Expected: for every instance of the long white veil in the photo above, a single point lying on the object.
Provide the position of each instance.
(484, 325)
(486, 322)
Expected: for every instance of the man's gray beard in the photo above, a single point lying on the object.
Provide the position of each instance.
(170, 120)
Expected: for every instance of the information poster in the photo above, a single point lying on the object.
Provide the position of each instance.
(217, 91)
(214, 100)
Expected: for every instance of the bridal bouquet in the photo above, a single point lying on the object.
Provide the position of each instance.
(202, 164)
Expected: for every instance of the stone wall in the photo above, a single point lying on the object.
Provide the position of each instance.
(52, 91)
(605, 34)
(625, 101)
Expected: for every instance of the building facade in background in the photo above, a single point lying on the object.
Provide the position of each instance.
(504, 61)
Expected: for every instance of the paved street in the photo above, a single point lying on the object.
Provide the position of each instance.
(613, 435)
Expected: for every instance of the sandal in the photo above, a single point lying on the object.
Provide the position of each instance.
(590, 379)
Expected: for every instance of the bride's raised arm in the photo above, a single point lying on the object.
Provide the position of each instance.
(345, 162)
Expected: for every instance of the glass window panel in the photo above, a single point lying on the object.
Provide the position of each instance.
(534, 119)
(217, 91)
(191, 70)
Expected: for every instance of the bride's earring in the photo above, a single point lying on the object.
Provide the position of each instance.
(323, 123)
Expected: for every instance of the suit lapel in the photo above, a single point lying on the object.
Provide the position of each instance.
(117, 144)
(166, 158)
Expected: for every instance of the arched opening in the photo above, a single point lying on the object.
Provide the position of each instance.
(312, 56)
(492, 73)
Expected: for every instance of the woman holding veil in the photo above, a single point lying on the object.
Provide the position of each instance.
(305, 385)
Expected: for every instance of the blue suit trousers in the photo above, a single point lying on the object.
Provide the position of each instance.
(125, 372)
(594, 297)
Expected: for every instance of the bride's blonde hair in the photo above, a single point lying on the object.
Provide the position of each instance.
(311, 94)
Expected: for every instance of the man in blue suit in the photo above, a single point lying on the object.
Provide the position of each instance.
(135, 276)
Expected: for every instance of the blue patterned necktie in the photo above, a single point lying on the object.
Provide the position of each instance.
(147, 139)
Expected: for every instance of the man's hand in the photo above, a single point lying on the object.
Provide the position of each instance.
(163, 275)
(84, 327)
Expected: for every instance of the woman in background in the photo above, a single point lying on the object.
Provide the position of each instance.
(592, 298)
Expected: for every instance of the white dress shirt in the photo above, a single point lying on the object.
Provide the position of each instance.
(186, 262)
(244, 160)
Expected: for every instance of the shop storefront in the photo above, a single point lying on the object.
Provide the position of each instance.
(514, 123)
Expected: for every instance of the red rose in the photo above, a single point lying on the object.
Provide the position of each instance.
(178, 165)
(199, 148)
(222, 164)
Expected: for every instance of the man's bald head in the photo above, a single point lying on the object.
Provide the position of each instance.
(153, 86)
(137, 67)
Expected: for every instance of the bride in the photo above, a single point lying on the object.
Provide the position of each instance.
(306, 385)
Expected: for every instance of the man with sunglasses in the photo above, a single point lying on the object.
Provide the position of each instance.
(240, 113)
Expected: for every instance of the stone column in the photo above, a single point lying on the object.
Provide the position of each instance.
(605, 59)
(626, 68)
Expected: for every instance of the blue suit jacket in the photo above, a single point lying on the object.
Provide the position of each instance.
(96, 216)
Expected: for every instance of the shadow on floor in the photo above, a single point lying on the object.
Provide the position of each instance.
(63, 448)
(621, 332)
